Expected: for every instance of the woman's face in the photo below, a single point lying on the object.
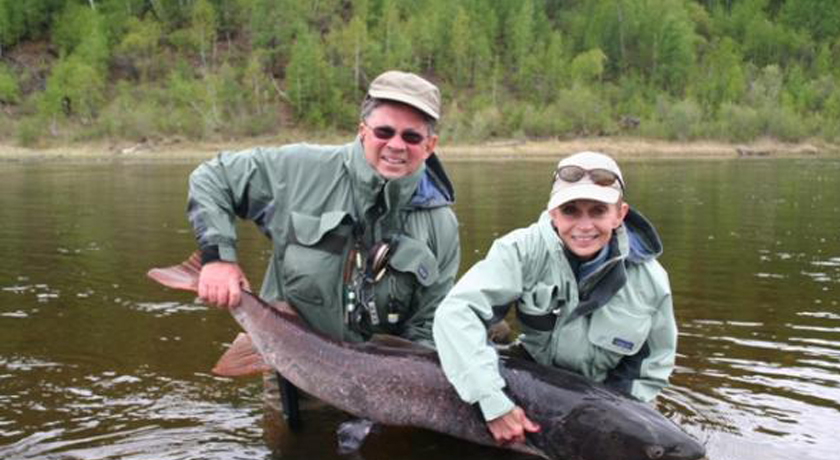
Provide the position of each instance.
(586, 226)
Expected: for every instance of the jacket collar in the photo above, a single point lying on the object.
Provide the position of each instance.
(427, 187)
(635, 241)
(368, 184)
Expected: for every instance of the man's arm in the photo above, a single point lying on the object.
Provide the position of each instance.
(220, 190)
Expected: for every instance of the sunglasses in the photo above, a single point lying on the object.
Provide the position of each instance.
(408, 136)
(602, 177)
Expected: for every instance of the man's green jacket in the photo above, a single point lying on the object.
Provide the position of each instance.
(614, 325)
(319, 203)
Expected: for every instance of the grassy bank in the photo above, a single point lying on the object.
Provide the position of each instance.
(500, 150)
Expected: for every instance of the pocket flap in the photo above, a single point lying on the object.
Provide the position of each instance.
(308, 230)
(413, 256)
(619, 330)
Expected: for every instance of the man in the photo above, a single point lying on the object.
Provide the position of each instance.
(364, 238)
(589, 293)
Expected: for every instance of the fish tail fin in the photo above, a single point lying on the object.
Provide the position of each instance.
(182, 276)
(241, 359)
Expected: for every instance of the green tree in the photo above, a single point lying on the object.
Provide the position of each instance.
(203, 29)
(351, 46)
(820, 18)
(520, 39)
(75, 88)
(395, 43)
(258, 84)
(460, 56)
(720, 76)
(588, 67)
(141, 45)
(273, 25)
(9, 87)
(309, 81)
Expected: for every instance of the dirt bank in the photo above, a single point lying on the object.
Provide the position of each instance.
(624, 148)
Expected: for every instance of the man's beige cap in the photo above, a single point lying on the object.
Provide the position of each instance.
(407, 88)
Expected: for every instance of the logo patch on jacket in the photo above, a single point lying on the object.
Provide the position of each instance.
(621, 343)
(422, 272)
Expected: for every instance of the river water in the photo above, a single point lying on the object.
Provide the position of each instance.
(97, 362)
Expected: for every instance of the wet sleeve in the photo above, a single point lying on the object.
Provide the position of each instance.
(233, 184)
(469, 361)
(428, 298)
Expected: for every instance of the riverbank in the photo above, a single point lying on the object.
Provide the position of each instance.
(619, 147)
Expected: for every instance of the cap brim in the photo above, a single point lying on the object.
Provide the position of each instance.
(584, 192)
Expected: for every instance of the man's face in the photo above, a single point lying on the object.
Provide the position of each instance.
(394, 157)
(585, 226)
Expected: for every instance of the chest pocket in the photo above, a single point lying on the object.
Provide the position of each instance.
(312, 267)
(412, 266)
(619, 329)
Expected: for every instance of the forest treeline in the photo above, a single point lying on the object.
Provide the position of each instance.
(732, 70)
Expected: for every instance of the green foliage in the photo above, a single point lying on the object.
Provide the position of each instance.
(678, 69)
(203, 28)
(582, 111)
(140, 45)
(820, 18)
(309, 81)
(9, 87)
(588, 67)
(720, 77)
(679, 120)
(75, 88)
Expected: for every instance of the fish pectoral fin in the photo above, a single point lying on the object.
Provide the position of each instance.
(352, 434)
(241, 359)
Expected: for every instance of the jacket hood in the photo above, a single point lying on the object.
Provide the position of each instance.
(643, 241)
(434, 189)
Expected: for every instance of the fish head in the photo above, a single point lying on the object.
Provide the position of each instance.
(598, 430)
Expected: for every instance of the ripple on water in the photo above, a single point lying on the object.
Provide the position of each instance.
(161, 309)
(111, 415)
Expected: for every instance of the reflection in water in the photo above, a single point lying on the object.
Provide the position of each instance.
(96, 362)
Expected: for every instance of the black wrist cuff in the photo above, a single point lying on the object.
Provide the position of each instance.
(210, 254)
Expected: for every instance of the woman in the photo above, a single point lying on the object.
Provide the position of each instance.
(590, 297)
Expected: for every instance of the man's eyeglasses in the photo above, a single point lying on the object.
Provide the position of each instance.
(386, 132)
(602, 177)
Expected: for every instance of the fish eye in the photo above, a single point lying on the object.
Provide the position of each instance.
(655, 452)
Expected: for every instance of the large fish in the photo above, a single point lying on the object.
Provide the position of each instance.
(391, 385)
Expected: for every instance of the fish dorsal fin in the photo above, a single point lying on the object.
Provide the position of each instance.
(398, 343)
(283, 307)
(182, 276)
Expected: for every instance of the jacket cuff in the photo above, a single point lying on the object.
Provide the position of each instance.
(215, 253)
(495, 405)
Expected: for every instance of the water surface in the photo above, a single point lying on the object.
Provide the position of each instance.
(97, 362)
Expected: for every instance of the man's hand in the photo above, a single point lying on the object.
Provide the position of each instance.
(221, 284)
(511, 427)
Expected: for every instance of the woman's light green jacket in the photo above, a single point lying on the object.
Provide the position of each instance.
(614, 326)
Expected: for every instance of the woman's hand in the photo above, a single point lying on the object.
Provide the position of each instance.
(511, 427)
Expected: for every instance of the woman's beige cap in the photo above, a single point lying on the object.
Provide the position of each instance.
(407, 88)
(562, 192)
